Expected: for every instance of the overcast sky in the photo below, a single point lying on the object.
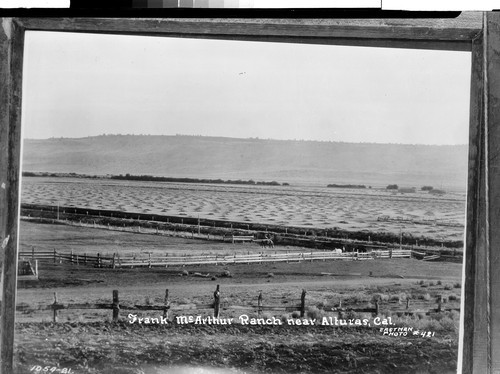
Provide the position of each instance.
(78, 85)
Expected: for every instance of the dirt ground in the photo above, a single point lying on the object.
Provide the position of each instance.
(121, 348)
(87, 342)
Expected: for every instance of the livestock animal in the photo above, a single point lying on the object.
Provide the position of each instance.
(267, 243)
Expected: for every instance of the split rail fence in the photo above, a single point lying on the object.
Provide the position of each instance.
(217, 305)
(153, 260)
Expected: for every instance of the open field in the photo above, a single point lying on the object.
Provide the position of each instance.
(104, 347)
(88, 342)
(309, 207)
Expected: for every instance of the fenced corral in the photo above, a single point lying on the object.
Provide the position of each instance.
(58, 257)
(154, 260)
(221, 230)
(241, 238)
(299, 305)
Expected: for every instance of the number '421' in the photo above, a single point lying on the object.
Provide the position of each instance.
(51, 369)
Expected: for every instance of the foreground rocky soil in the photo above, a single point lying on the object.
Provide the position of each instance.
(153, 349)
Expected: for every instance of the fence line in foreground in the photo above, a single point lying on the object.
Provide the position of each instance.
(217, 305)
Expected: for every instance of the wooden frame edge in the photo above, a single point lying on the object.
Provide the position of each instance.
(482, 321)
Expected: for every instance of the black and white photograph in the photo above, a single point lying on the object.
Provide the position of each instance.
(217, 203)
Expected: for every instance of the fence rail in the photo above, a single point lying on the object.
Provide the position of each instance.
(217, 305)
(213, 230)
(150, 260)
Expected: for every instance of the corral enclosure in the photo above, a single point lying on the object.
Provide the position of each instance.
(236, 92)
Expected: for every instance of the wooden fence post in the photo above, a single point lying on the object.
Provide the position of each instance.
(98, 260)
(36, 268)
(149, 260)
(303, 303)
(165, 309)
(407, 303)
(54, 255)
(33, 254)
(439, 301)
(377, 307)
(85, 258)
(217, 302)
(116, 306)
(259, 304)
(54, 308)
(114, 260)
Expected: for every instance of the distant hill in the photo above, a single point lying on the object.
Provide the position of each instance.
(267, 160)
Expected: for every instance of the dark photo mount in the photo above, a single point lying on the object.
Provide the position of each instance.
(475, 32)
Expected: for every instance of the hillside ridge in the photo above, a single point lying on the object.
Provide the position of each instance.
(294, 161)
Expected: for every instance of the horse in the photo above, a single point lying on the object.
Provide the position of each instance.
(267, 243)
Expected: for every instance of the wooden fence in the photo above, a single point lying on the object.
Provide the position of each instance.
(217, 306)
(115, 306)
(153, 260)
(309, 238)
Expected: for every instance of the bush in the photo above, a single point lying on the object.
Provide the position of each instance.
(380, 297)
(314, 313)
(448, 287)
(226, 274)
(392, 187)
(457, 285)
(425, 297)
(359, 297)
(270, 275)
(449, 324)
(399, 297)
(185, 273)
(352, 315)
(427, 188)
(266, 315)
